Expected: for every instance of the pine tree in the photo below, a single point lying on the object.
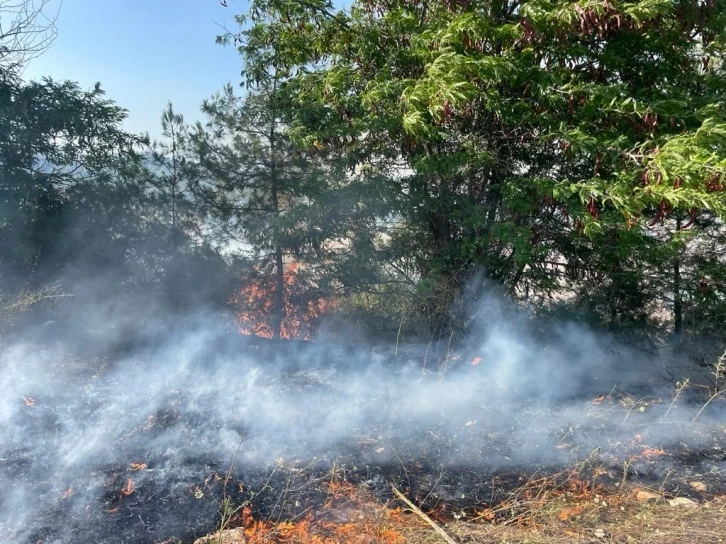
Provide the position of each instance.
(172, 175)
(253, 177)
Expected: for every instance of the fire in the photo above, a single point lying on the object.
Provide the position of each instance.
(485, 513)
(652, 452)
(367, 522)
(128, 488)
(339, 489)
(570, 512)
(256, 303)
(311, 531)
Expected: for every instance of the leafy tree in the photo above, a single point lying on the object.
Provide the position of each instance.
(53, 136)
(248, 179)
(530, 132)
(86, 205)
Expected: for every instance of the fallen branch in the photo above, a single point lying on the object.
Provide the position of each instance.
(443, 534)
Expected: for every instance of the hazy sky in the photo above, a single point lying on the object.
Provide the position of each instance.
(144, 53)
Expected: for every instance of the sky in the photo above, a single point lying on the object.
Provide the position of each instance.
(144, 53)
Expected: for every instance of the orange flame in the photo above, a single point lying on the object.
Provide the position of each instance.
(256, 307)
(373, 524)
(128, 488)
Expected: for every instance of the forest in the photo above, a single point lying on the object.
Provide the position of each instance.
(425, 271)
(377, 163)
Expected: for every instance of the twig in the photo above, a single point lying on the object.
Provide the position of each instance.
(718, 388)
(680, 386)
(626, 469)
(231, 467)
(713, 397)
(426, 355)
(443, 534)
(442, 372)
(400, 461)
(434, 487)
(636, 403)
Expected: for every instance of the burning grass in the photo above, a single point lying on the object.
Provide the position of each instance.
(348, 516)
(299, 455)
(587, 501)
(560, 508)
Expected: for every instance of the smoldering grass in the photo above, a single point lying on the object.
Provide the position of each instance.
(518, 390)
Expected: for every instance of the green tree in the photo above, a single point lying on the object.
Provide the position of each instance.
(86, 205)
(89, 206)
(170, 175)
(53, 137)
(255, 180)
(530, 132)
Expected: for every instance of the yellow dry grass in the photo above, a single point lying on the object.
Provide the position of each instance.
(628, 522)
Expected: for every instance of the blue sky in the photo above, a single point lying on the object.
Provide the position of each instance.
(144, 53)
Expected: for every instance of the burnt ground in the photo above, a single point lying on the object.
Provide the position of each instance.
(142, 486)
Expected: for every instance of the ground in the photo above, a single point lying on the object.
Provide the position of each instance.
(355, 517)
(159, 448)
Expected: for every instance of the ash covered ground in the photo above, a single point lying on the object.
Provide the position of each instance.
(136, 447)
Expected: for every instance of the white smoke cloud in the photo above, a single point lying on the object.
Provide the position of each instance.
(186, 404)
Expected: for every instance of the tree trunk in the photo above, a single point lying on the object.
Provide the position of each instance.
(173, 277)
(677, 300)
(279, 306)
(279, 314)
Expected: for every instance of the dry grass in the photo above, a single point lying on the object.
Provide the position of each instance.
(13, 306)
(629, 522)
(557, 509)
(564, 508)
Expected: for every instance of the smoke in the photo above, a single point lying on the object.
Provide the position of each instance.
(188, 403)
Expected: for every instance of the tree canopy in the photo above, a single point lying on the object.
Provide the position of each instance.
(530, 135)
(383, 158)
